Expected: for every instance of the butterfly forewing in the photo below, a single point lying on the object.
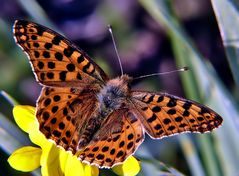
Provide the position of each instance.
(164, 115)
(55, 60)
(119, 138)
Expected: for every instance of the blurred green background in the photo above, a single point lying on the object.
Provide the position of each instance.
(152, 36)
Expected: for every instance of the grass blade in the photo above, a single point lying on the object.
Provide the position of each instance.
(228, 21)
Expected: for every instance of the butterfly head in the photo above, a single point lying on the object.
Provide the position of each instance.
(114, 91)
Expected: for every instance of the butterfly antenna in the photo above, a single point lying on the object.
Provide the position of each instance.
(116, 50)
(163, 73)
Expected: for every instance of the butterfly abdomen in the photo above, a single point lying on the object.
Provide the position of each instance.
(91, 128)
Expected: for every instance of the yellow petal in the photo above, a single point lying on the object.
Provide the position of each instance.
(50, 170)
(25, 117)
(73, 166)
(130, 167)
(91, 170)
(38, 138)
(56, 160)
(50, 154)
(25, 159)
(63, 158)
(50, 160)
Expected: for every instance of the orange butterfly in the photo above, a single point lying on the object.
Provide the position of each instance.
(101, 120)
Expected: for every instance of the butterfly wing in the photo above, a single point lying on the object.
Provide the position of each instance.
(62, 113)
(55, 60)
(64, 107)
(163, 115)
(119, 138)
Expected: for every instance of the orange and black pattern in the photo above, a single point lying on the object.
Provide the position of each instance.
(100, 120)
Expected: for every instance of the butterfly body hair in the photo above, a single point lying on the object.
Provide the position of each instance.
(114, 93)
(112, 97)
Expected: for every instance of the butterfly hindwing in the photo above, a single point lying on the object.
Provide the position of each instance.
(62, 113)
(55, 60)
(119, 138)
(163, 114)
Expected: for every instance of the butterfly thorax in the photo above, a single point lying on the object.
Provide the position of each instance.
(114, 94)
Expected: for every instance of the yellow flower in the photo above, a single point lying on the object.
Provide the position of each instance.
(52, 159)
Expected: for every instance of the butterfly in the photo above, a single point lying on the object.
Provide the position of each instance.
(100, 120)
